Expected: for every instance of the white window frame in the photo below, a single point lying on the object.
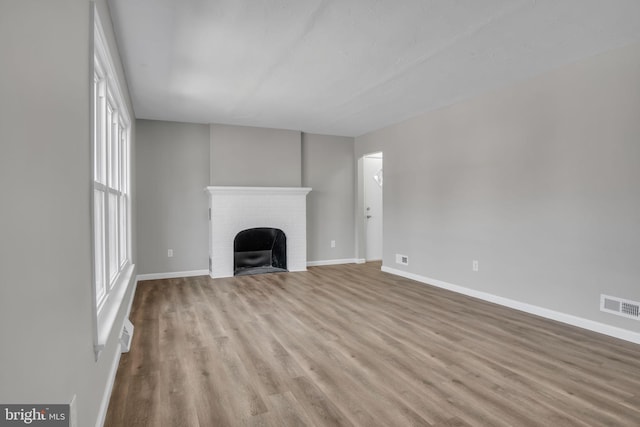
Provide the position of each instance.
(110, 190)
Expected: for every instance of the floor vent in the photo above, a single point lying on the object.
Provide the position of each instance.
(619, 306)
(127, 336)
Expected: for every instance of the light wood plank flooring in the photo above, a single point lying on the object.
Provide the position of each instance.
(349, 345)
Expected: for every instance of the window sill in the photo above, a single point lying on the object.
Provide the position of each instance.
(108, 313)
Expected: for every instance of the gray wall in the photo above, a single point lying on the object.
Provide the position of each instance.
(45, 234)
(328, 167)
(255, 157)
(173, 170)
(538, 181)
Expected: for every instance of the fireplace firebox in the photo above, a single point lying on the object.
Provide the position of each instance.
(259, 250)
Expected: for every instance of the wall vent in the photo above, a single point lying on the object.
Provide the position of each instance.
(619, 306)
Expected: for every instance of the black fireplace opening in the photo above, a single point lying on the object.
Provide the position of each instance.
(259, 250)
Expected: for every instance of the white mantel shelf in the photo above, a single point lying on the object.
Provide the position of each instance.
(257, 190)
(234, 209)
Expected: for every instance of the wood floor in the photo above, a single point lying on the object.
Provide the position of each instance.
(350, 345)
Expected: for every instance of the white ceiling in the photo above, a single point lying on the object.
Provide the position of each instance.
(347, 67)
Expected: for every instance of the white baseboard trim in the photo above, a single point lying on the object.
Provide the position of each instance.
(172, 275)
(104, 405)
(360, 260)
(569, 319)
(332, 262)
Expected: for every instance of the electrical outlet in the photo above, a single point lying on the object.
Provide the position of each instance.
(475, 265)
(333, 243)
(170, 253)
(402, 259)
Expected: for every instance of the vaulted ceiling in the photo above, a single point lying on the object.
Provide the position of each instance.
(347, 67)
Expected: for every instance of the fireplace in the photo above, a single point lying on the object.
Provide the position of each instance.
(259, 250)
(236, 209)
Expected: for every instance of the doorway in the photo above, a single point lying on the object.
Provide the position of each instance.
(373, 184)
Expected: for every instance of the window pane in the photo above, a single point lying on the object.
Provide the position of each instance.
(124, 157)
(123, 229)
(115, 153)
(113, 237)
(107, 143)
(98, 235)
(100, 147)
(96, 126)
(124, 205)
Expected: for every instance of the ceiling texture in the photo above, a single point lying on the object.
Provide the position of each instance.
(347, 67)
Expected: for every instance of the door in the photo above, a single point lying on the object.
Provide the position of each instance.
(372, 169)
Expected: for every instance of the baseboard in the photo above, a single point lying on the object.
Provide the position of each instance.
(332, 262)
(172, 275)
(360, 260)
(104, 405)
(569, 319)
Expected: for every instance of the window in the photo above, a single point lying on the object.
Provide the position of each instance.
(112, 267)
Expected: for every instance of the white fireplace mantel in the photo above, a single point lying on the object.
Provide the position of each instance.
(303, 191)
(233, 209)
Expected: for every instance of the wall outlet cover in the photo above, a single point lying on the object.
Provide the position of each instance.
(402, 259)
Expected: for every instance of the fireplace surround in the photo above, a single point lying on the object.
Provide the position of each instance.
(234, 209)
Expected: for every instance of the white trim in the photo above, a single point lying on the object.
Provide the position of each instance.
(106, 397)
(257, 190)
(172, 275)
(569, 319)
(332, 262)
(360, 261)
(108, 313)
